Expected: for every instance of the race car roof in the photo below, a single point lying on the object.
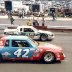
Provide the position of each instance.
(15, 37)
(25, 26)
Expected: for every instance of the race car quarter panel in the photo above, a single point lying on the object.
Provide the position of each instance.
(51, 53)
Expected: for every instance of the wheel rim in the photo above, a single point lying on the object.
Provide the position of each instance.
(48, 57)
(43, 38)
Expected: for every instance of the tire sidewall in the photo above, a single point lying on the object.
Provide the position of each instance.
(42, 39)
(51, 61)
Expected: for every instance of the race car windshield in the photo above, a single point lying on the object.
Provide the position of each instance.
(34, 42)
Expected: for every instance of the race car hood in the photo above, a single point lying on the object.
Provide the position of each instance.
(47, 32)
(48, 46)
(10, 30)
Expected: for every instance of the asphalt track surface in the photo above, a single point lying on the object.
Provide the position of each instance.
(47, 22)
(61, 39)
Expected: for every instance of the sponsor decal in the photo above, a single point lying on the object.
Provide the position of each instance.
(6, 54)
(18, 53)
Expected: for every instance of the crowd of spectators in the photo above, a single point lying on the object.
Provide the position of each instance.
(63, 12)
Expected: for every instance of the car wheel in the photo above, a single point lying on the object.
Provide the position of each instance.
(4, 32)
(48, 57)
(43, 37)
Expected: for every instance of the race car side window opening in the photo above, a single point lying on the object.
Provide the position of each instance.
(28, 30)
(20, 29)
(7, 43)
(20, 43)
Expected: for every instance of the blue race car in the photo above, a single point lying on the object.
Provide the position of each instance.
(23, 48)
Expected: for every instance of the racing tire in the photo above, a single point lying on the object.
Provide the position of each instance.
(43, 37)
(48, 57)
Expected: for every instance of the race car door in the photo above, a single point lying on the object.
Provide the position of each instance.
(29, 32)
(17, 49)
(22, 49)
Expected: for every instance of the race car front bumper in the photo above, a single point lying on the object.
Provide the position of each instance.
(60, 56)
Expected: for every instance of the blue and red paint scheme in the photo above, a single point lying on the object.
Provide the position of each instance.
(33, 52)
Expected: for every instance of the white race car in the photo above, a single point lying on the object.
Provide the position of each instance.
(31, 32)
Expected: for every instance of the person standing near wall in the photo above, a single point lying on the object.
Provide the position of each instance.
(53, 15)
(43, 21)
(28, 22)
(12, 20)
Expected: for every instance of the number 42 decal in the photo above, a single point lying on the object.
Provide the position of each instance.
(18, 53)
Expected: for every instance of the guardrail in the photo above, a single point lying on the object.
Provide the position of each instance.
(56, 29)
